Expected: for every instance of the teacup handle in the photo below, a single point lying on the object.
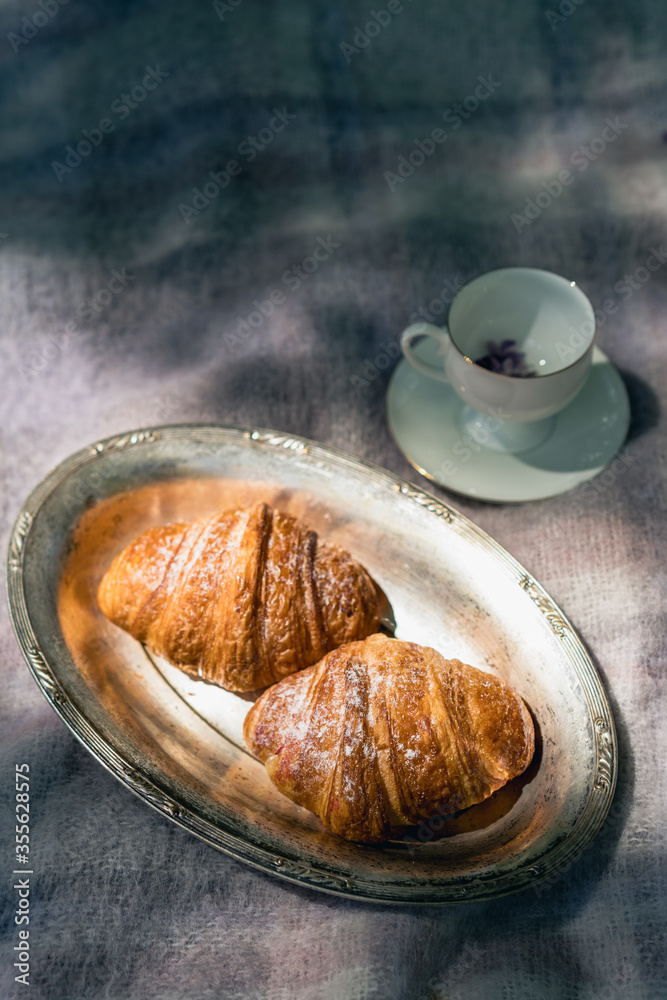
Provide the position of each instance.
(429, 330)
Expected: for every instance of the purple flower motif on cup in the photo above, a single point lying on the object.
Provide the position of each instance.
(505, 359)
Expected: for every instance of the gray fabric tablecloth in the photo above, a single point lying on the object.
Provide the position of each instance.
(127, 299)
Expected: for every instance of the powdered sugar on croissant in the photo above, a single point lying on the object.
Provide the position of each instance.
(241, 598)
(382, 734)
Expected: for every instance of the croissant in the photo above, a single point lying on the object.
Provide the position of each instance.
(382, 734)
(241, 598)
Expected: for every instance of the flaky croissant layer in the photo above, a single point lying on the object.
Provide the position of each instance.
(382, 734)
(241, 598)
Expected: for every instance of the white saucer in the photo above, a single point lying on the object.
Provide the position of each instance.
(425, 419)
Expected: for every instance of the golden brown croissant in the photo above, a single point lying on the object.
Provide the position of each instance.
(382, 734)
(241, 598)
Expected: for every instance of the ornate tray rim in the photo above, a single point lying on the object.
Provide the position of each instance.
(451, 890)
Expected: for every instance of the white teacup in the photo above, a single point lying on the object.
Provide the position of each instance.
(552, 326)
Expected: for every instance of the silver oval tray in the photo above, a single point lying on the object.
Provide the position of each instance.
(176, 742)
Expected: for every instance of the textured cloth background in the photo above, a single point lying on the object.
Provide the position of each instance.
(125, 905)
